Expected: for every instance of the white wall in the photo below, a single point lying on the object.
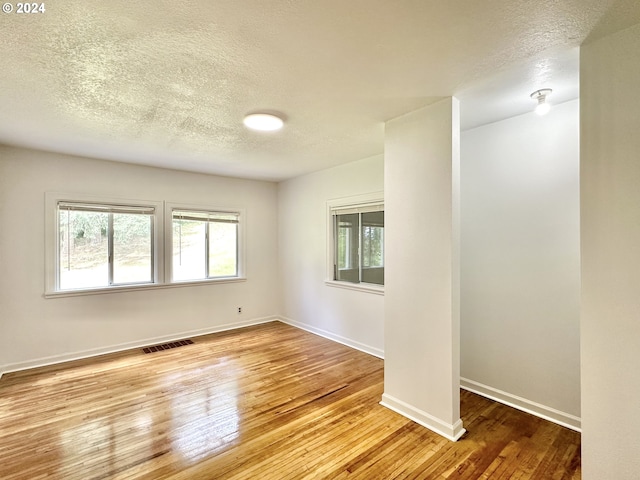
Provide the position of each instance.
(610, 210)
(422, 359)
(352, 317)
(520, 324)
(36, 330)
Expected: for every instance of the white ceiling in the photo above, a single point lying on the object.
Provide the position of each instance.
(167, 83)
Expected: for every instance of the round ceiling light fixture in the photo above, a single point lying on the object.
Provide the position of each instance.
(264, 122)
(542, 108)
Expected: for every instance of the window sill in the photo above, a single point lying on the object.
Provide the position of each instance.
(360, 287)
(135, 288)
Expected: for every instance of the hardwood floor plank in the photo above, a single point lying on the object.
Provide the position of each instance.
(266, 402)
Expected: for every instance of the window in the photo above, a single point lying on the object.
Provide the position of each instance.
(358, 250)
(204, 244)
(97, 245)
(104, 245)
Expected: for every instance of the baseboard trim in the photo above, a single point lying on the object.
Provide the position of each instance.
(551, 414)
(57, 359)
(451, 432)
(376, 352)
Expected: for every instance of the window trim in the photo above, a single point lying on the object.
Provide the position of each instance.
(162, 247)
(347, 203)
(52, 242)
(109, 209)
(170, 207)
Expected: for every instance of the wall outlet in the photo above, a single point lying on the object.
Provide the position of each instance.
(239, 309)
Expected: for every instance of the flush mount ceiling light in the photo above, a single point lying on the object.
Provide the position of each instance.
(542, 108)
(265, 122)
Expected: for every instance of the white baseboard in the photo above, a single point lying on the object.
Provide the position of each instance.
(451, 432)
(376, 352)
(68, 357)
(551, 414)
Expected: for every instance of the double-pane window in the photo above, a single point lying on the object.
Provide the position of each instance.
(104, 245)
(359, 244)
(205, 245)
(98, 244)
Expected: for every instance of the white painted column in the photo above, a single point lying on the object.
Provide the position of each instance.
(422, 317)
(610, 241)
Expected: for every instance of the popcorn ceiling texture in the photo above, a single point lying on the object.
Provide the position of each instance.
(167, 83)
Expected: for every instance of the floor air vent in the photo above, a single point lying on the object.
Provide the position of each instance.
(167, 346)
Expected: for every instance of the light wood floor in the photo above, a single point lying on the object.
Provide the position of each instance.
(264, 402)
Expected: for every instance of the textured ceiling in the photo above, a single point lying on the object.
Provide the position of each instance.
(167, 83)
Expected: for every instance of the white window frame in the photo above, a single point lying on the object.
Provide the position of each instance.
(162, 244)
(170, 207)
(52, 242)
(356, 201)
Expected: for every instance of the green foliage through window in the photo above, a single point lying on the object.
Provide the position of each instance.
(359, 245)
(103, 245)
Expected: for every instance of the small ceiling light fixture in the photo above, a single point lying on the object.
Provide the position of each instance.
(542, 108)
(265, 122)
